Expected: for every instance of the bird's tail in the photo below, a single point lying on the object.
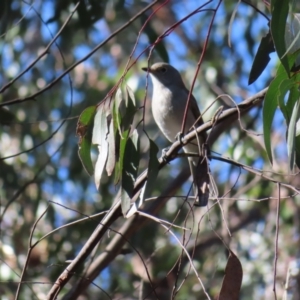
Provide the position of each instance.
(200, 173)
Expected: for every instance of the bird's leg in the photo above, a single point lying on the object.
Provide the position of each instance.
(179, 137)
(164, 153)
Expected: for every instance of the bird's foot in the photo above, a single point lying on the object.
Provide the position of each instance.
(164, 154)
(179, 137)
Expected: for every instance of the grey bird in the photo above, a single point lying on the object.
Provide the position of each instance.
(169, 99)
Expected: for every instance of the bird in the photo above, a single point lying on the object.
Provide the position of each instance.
(169, 98)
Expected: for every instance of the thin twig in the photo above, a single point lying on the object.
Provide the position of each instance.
(46, 50)
(276, 241)
(30, 248)
(50, 85)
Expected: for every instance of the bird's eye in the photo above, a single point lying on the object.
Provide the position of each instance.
(163, 70)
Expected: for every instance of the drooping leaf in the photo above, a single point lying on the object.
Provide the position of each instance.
(129, 170)
(83, 130)
(296, 29)
(269, 108)
(297, 144)
(232, 281)
(292, 39)
(100, 131)
(291, 142)
(279, 10)
(153, 169)
(117, 109)
(84, 153)
(111, 159)
(284, 87)
(130, 94)
(119, 163)
(293, 98)
(129, 110)
(124, 109)
(262, 57)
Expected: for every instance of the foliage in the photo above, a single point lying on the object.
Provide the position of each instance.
(89, 209)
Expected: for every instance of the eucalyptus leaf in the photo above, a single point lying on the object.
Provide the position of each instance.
(84, 131)
(131, 160)
(292, 135)
(279, 11)
(100, 132)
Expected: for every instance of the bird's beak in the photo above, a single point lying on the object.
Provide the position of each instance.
(146, 69)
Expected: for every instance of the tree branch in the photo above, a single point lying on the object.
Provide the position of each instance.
(227, 116)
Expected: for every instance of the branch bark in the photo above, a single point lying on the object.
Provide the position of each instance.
(220, 125)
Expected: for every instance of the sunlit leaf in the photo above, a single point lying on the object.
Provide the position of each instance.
(297, 144)
(111, 159)
(292, 99)
(292, 135)
(284, 87)
(100, 132)
(130, 94)
(124, 109)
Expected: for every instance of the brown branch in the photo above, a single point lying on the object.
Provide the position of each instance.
(228, 115)
(115, 246)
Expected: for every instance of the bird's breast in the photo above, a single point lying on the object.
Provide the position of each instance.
(166, 113)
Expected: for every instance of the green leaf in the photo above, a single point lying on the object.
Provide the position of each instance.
(293, 98)
(284, 87)
(269, 108)
(292, 36)
(118, 99)
(153, 169)
(111, 159)
(279, 10)
(297, 146)
(122, 146)
(83, 130)
(292, 134)
(130, 95)
(100, 132)
(129, 110)
(84, 153)
(262, 57)
(124, 109)
(129, 170)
